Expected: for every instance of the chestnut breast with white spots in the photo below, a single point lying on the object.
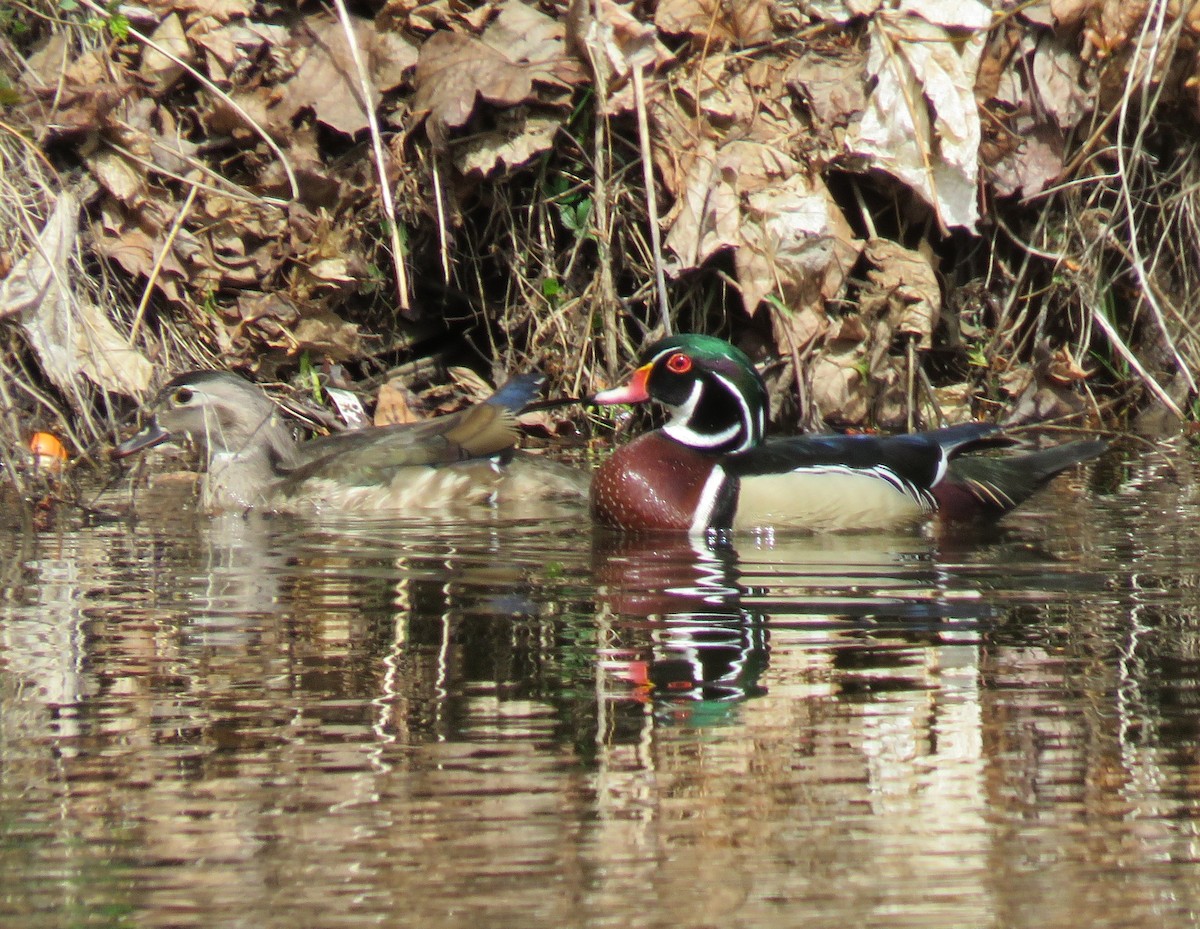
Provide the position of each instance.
(653, 482)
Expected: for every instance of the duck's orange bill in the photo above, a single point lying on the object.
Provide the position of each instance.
(633, 392)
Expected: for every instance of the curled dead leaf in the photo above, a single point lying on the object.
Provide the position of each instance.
(453, 72)
(328, 80)
(395, 405)
(903, 285)
(745, 23)
(837, 387)
(520, 137)
(162, 68)
(611, 40)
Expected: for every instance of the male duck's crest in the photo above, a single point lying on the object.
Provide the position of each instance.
(710, 467)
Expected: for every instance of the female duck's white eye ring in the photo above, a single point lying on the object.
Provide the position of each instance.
(679, 363)
(182, 396)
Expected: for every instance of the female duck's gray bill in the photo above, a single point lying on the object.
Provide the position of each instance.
(152, 435)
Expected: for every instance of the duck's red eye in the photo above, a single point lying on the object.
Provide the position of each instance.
(679, 363)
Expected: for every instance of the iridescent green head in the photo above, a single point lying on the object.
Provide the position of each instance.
(716, 397)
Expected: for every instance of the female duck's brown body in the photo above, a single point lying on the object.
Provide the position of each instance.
(253, 462)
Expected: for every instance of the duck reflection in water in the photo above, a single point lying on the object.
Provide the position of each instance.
(672, 626)
(686, 624)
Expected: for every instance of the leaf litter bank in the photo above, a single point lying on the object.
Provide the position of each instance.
(912, 214)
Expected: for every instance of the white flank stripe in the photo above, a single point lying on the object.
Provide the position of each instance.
(943, 466)
(708, 500)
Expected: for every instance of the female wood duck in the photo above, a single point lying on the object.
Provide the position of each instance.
(253, 461)
(710, 468)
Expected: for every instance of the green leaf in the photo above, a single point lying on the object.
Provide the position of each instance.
(118, 26)
(310, 374)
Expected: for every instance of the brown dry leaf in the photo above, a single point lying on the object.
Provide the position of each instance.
(156, 67)
(395, 405)
(1056, 79)
(796, 244)
(119, 238)
(220, 119)
(519, 137)
(471, 384)
(745, 23)
(1037, 161)
(1062, 368)
(833, 86)
(328, 81)
(889, 385)
(322, 185)
(956, 401)
(70, 336)
(233, 44)
(707, 215)
(150, 131)
(1039, 404)
(1070, 13)
(453, 71)
(1016, 380)
(417, 16)
(799, 329)
(324, 333)
(921, 120)
(78, 108)
(331, 270)
(608, 36)
(277, 321)
(222, 10)
(118, 175)
(837, 388)
(842, 11)
(903, 285)
(789, 236)
(709, 87)
(44, 65)
(240, 247)
(528, 37)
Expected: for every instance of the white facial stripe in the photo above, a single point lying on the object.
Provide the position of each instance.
(682, 413)
(682, 432)
(680, 429)
(753, 424)
(708, 500)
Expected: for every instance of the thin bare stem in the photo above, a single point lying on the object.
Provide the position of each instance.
(385, 188)
(660, 278)
(1137, 262)
(158, 263)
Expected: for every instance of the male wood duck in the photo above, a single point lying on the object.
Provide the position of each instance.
(710, 467)
(253, 461)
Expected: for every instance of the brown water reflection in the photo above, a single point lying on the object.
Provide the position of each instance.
(271, 723)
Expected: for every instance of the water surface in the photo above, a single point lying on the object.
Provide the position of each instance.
(276, 723)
